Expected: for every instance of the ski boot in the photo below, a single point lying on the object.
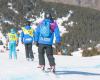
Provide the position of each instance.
(42, 67)
(52, 69)
(27, 59)
(32, 59)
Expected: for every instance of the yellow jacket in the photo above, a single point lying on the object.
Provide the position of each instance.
(12, 37)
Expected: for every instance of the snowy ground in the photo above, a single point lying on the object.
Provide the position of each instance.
(67, 68)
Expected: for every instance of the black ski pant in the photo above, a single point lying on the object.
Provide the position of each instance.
(29, 52)
(42, 49)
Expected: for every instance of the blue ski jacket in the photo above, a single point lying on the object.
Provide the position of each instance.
(27, 34)
(49, 40)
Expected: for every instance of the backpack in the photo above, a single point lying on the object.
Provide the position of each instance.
(45, 30)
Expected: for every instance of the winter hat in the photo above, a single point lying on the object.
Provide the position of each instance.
(12, 30)
(49, 16)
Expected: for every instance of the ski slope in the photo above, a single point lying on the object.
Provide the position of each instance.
(67, 67)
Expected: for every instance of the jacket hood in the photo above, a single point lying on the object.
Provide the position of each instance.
(47, 20)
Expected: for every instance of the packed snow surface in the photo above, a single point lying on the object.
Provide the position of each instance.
(67, 67)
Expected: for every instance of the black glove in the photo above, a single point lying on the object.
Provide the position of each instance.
(37, 44)
(58, 45)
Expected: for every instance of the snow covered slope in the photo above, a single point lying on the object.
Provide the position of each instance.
(67, 68)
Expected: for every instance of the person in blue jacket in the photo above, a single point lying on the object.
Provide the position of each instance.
(44, 40)
(27, 38)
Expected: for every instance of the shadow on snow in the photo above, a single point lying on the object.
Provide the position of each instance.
(76, 72)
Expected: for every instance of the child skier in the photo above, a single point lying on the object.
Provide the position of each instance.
(13, 41)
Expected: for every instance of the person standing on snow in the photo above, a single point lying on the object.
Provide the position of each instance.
(44, 37)
(27, 38)
(13, 41)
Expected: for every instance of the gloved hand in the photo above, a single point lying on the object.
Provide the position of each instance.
(37, 44)
(58, 45)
